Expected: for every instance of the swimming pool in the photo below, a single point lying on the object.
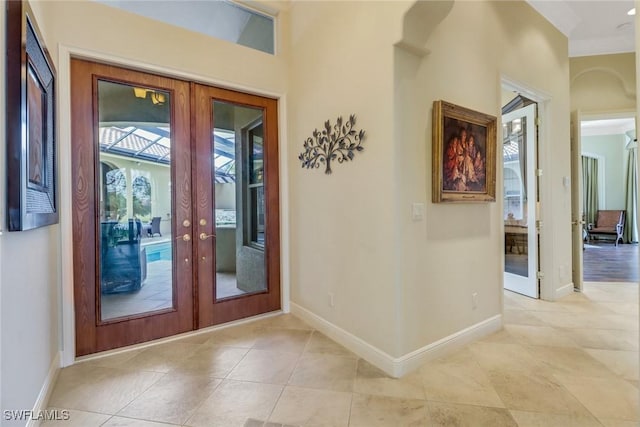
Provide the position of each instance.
(159, 251)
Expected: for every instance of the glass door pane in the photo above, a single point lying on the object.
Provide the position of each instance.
(236, 204)
(132, 206)
(239, 208)
(520, 201)
(134, 172)
(515, 197)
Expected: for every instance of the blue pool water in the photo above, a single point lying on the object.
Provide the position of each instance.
(159, 252)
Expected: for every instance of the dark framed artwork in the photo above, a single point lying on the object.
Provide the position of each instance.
(464, 154)
(31, 131)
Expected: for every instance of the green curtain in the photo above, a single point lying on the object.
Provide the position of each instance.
(590, 189)
(631, 200)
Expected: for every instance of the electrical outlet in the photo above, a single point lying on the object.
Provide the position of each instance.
(474, 300)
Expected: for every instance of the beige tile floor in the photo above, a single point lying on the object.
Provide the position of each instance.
(572, 363)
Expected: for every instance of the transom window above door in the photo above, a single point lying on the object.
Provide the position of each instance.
(221, 19)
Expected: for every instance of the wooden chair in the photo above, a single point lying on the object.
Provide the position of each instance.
(608, 223)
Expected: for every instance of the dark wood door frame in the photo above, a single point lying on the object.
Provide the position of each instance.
(212, 311)
(93, 335)
(195, 305)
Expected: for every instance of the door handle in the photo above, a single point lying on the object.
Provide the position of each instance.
(577, 222)
(205, 236)
(185, 237)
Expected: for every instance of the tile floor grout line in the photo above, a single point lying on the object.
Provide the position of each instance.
(286, 384)
(141, 393)
(557, 366)
(107, 420)
(299, 357)
(576, 397)
(195, 410)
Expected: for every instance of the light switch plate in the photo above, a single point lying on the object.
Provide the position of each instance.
(417, 211)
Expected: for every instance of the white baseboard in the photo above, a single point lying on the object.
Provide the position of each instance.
(357, 345)
(448, 344)
(45, 391)
(398, 366)
(565, 290)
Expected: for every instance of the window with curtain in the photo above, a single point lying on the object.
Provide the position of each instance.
(590, 189)
(631, 194)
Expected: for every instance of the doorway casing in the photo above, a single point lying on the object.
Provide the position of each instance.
(65, 53)
(548, 291)
(578, 117)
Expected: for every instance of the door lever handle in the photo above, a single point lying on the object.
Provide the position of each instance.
(185, 237)
(205, 236)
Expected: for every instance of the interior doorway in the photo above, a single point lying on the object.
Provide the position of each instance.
(176, 196)
(604, 170)
(521, 196)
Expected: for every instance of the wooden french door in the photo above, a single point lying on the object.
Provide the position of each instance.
(234, 135)
(175, 196)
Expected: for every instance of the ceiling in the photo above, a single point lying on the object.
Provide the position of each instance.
(612, 126)
(594, 27)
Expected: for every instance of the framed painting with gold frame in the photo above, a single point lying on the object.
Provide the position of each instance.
(464, 154)
(31, 131)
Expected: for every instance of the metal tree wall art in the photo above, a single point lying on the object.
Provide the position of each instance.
(338, 142)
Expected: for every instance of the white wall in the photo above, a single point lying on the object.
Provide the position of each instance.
(105, 30)
(603, 87)
(458, 249)
(2, 186)
(342, 225)
(397, 284)
(637, 86)
(30, 314)
(400, 284)
(612, 149)
(95, 31)
(603, 83)
(29, 298)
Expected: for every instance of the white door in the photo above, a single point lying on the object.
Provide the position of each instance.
(577, 222)
(520, 201)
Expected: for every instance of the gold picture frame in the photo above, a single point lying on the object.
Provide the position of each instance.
(464, 154)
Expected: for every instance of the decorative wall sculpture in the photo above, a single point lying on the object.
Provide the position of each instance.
(338, 142)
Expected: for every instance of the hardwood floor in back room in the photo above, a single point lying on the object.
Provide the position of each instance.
(605, 262)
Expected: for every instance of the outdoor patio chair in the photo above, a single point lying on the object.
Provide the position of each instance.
(155, 227)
